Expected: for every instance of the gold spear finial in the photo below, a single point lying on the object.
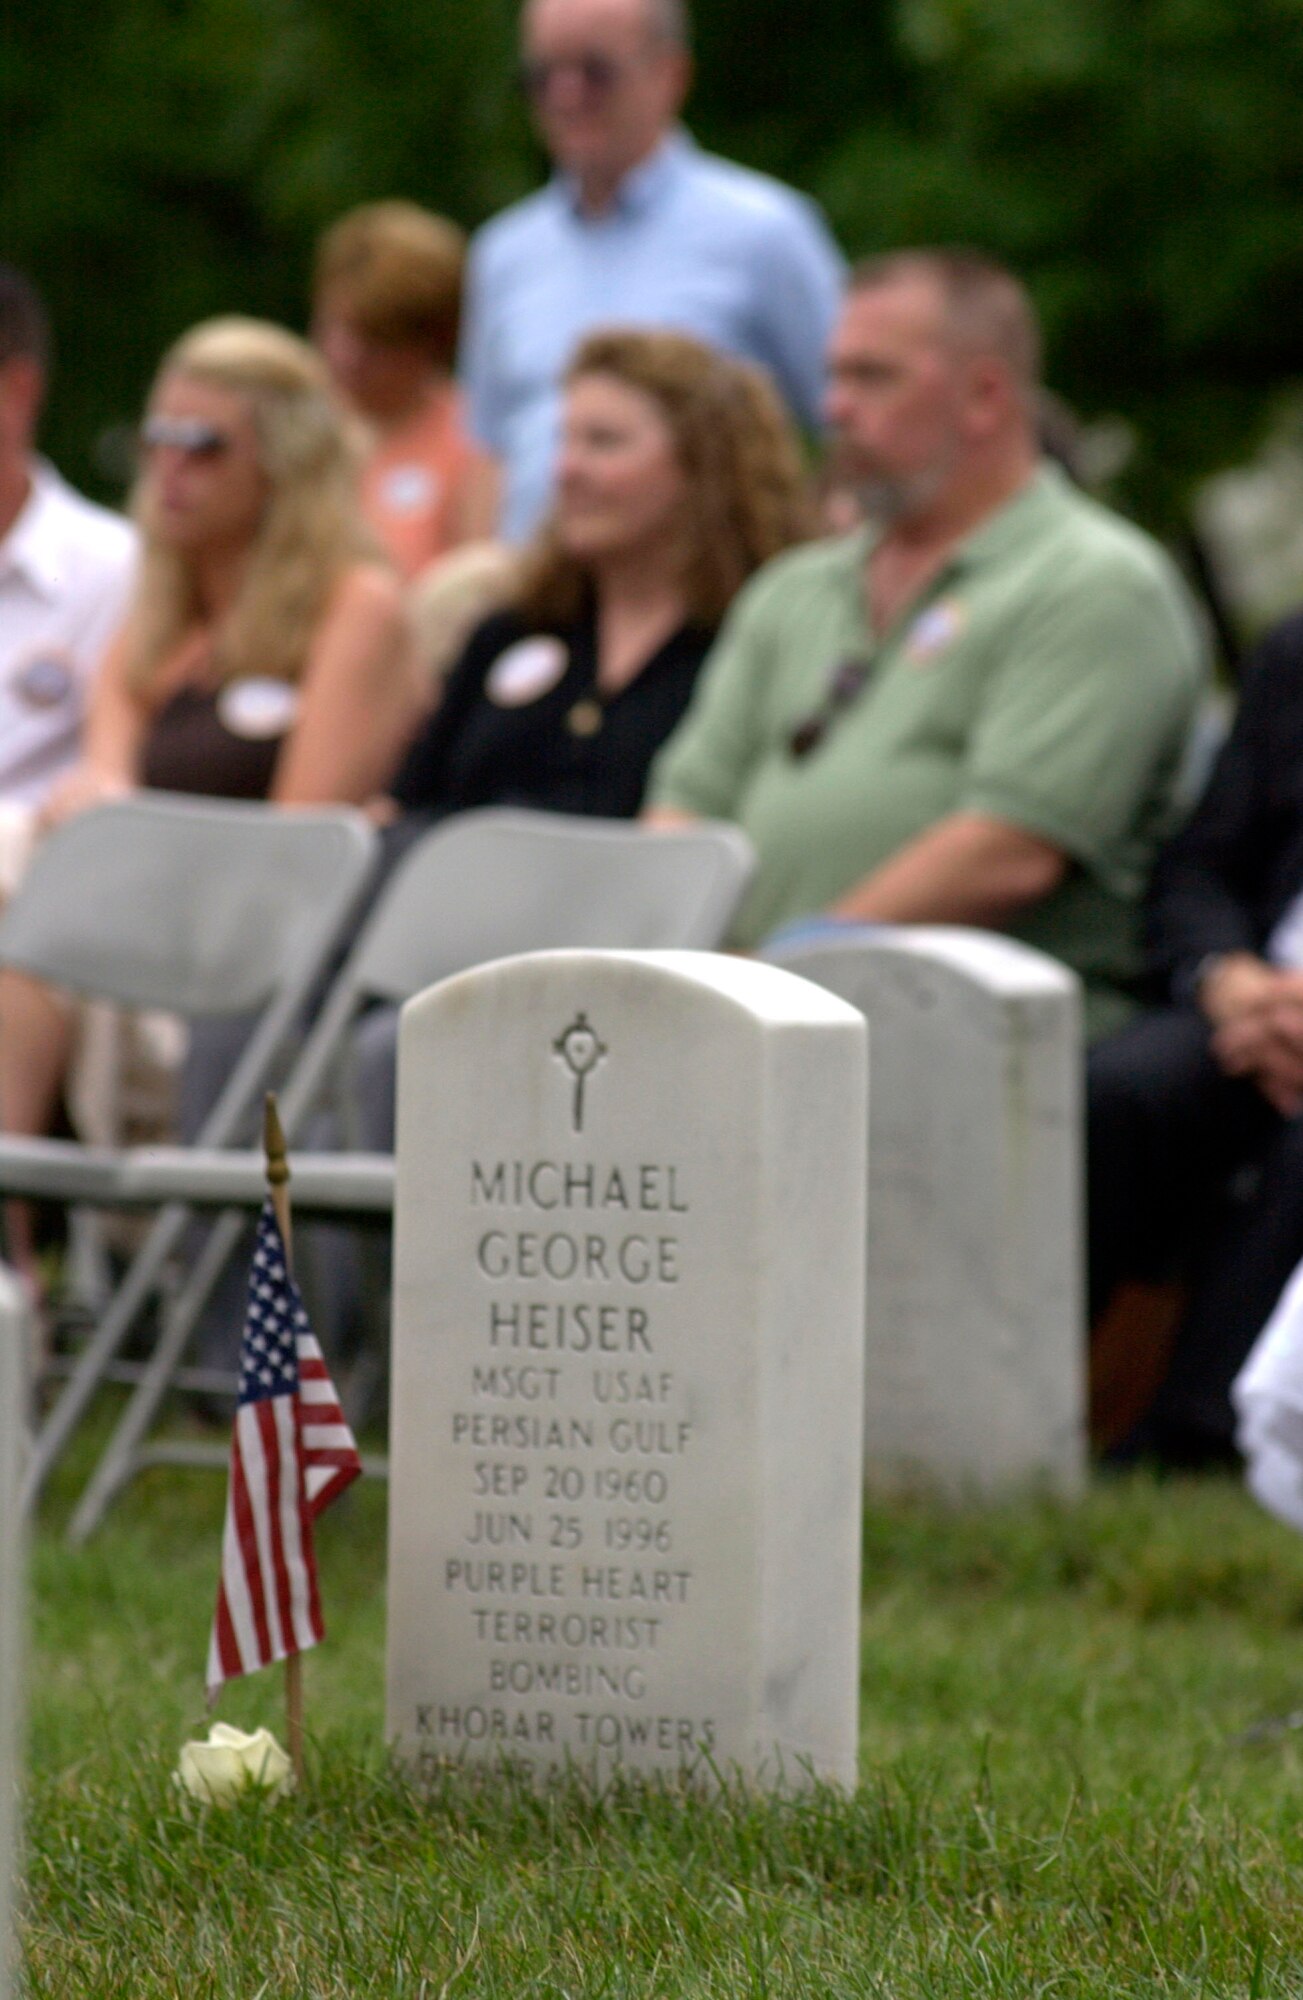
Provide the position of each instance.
(273, 1143)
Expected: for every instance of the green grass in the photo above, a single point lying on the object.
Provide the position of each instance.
(1064, 1791)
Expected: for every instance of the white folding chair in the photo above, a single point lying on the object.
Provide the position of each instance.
(199, 907)
(499, 882)
(481, 885)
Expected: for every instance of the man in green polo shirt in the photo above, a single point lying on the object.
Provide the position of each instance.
(974, 710)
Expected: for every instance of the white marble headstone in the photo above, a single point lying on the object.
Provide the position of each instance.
(625, 1446)
(975, 1337)
(13, 1375)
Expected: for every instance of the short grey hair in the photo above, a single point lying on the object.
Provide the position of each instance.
(669, 21)
(984, 305)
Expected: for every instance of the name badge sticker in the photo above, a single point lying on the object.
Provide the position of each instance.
(43, 682)
(409, 489)
(257, 708)
(934, 630)
(526, 671)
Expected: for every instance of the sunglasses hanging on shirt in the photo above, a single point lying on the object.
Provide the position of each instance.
(845, 682)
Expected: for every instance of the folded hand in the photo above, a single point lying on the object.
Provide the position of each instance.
(1262, 1038)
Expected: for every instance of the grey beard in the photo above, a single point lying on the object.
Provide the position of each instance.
(882, 501)
(885, 500)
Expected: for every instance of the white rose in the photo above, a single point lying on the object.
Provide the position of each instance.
(230, 1763)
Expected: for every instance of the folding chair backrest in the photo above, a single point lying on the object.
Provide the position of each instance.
(494, 883)
(497, 882)
(194, 905)
(203, 907)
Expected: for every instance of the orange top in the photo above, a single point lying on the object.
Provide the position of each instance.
(411, 485)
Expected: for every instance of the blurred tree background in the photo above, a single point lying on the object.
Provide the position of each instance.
(1139, 161)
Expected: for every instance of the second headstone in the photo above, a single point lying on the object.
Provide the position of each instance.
(974, 1336)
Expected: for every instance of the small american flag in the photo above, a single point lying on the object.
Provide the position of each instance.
(291, 1455)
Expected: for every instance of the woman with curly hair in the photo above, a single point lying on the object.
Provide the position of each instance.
(265, 651)
(678, 475)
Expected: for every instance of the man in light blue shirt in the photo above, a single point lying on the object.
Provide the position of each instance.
(637, 227)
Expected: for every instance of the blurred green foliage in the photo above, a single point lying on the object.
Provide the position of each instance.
(1139, 161)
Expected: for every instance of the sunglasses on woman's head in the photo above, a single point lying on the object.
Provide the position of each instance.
(185, 434)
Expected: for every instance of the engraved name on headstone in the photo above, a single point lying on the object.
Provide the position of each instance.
(625, 1468)
(975, 1340)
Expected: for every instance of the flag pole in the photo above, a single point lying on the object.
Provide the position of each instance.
(278, 1187)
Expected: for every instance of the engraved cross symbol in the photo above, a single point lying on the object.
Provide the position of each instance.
(579, 1049)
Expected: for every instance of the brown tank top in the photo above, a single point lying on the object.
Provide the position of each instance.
(221, 742)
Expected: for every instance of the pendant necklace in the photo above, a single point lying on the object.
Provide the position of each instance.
(586, 717)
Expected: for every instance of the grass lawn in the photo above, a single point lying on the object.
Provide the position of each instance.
(1063, 1791)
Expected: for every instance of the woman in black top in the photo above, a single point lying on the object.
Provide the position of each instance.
(545, 751)
(678, 475)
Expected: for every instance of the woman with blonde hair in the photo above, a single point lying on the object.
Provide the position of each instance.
(678, 475)
(265, 652)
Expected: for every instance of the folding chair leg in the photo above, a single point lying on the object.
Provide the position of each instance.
(117, 1466)
(371, 1372)
(140, 1280)
(89, 1282)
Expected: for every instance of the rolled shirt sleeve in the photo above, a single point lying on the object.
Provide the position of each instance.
(1085, 716)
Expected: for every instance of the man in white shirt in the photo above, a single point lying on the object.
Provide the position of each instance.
(65, 573)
